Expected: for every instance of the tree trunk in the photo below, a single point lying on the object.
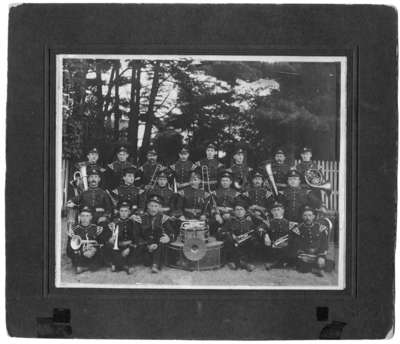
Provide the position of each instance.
(150, 111)
(134, 109)
(99, 117)
(116, 110)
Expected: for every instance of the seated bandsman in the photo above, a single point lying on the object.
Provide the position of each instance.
(280, 168)
(295, 197)
(163, 190)
(85, 241)
(123, 244)
(156, 231)
(225, 196)
(312, 244)
(239, 169)
(182, 169)
(258, 194)
(127, 191)
(239, 236)
(191, 204)
(213, 165)
(95, 198)
(279, 238)
(150, 169)
(118, 166)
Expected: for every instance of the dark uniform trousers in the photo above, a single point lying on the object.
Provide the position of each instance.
(87, 233)
(192, 203)
(97, 199)
(151, 229)
(182, 171)
(279, 228)
(313, 240)
(125, 255)
(214, 168)
(242, 252)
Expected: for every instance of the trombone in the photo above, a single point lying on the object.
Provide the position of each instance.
(153, 179)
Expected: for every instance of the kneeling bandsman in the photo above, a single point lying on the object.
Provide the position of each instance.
(156, 230)
(85, 241)
(124, 243)
(312, 244)
(239, 236)
(279, 238)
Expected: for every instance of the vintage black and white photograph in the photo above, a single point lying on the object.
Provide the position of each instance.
(200, 172)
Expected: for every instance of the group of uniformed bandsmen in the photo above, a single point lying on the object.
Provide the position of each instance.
(131, 213)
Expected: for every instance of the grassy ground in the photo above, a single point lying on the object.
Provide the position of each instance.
(221, 277)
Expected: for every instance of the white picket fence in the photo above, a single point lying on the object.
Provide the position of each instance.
(330, 169)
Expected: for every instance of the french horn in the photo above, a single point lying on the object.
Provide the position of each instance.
(315, 179)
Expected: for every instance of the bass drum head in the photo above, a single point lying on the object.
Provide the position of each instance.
(194, 249)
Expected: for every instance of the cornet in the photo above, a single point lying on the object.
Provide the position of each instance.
(116, 232)
(76, 242)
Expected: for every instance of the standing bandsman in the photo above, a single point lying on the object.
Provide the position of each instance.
(312, 244)
(95, 198)
(213, 165)
(280, 168)
(124, 242)
(238, 234)
(127, 191)
(87, 255)
(191, 204)
(165, 193)
(295, 197)
(150, 169)
(182, 169)
(118, 166)
(156, 231)
(239, 169)
(92, 162)
(305, 163)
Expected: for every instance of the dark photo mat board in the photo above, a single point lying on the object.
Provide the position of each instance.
(366, 35)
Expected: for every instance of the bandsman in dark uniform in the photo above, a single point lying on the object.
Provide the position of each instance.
(280, 168)
(124, 242)
(295, 197)
(89, 254)
(127, 191)
(95, 198)
(258, 194)
(278, 238)
(182, 169)
(225, 195)
(192, 202)
(150, 169)
(240, 171)
(118, 166)
(163, 190)
(155, 229)
(213, 165)
(312, 244)
(305, 163)
(239, 236)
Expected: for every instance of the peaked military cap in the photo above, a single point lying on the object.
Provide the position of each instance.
(280, 151)
(184, 150)
(226, 174)
(155, 198)
(86, 209)
(93, 171)
(276, 204)
(306, 149)
(93, 150)
(129, 170)
(122, 149)
(125, 204)
(293, 173)
(211, 145)
(308, 208)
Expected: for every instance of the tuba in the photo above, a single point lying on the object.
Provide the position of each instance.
(315, 179)
(76, 242)
(80, 177)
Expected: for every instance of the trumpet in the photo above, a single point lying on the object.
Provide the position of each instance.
(76, 242)
(315, 179)
(240, 239)
(81, 177)
(116, 232)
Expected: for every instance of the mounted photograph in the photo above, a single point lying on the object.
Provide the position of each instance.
(200, 171)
